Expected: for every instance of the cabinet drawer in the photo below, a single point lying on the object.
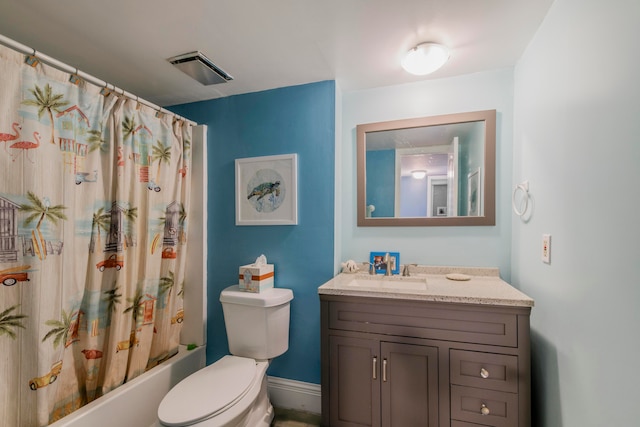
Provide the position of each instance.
(484, 370)
(455, 323)
(456, 423)
(467, 404)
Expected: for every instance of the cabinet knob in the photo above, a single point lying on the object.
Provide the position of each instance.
(484, 410)
(484, 373)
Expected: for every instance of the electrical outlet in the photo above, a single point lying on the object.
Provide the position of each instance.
(546, 248)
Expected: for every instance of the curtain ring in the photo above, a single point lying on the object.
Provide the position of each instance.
(74, 78)
(524, 187)
(32, 60)
(105, 91)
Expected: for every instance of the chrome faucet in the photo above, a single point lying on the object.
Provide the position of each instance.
(405, 270)
(387, 262)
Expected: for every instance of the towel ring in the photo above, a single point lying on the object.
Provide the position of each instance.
(524, 187)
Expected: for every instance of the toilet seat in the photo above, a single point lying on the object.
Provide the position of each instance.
(208, 392)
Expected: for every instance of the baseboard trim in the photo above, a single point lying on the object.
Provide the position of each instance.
(291, 394)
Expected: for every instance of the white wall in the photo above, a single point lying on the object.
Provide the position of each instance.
(469, 246)
(577, 129)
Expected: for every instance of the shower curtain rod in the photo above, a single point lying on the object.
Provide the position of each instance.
(87, 77)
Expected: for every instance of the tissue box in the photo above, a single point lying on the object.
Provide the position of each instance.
(256, 278)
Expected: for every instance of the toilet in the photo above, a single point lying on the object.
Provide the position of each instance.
(232, 392)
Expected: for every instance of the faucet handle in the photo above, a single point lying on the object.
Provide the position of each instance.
(405, 270)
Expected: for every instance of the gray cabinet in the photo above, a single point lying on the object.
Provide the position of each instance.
(409, 383)
(395, 362)
(382, 383)
(354, 391)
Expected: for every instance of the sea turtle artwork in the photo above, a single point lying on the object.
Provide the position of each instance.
(266, 190)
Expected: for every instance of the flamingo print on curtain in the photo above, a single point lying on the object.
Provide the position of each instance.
(93, 215)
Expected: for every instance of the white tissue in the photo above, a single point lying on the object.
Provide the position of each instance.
(261, 260)
(349, 266)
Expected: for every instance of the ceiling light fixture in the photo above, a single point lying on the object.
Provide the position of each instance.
(419, 174)
(425, 58)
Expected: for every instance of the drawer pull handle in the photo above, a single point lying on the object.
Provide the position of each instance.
(484, 373)
(484, 410)
(384, 370)
(375, 368)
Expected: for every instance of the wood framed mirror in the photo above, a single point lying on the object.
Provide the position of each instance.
(428, 171)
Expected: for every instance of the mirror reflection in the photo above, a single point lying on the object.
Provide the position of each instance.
(428, 171)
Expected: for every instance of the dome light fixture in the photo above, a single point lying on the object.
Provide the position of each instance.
(425, 58)
(419, 174)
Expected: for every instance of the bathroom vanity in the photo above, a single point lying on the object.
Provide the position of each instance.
(425, 350)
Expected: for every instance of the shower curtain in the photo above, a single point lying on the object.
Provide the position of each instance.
(93, 200)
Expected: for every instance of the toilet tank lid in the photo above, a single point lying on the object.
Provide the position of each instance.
(266, 298)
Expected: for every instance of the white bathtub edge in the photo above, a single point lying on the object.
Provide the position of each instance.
(136, 402)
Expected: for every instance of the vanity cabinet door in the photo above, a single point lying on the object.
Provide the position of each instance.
(409, 381)
(354, 382)
(387, 384)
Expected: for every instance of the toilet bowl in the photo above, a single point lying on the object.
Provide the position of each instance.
(232, 392)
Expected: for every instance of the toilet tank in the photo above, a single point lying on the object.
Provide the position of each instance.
(257, 323)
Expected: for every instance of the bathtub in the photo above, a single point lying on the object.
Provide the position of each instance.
(136, 403)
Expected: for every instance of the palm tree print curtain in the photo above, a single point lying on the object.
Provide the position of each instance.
(93, 202)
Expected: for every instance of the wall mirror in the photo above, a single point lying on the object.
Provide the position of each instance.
(429, 171)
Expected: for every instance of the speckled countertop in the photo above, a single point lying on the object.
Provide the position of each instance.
(428, 283)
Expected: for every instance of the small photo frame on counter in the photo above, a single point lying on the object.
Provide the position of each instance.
(380, 267)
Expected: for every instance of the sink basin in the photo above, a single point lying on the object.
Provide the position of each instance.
(387, 283)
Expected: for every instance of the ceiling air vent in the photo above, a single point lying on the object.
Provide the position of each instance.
(199, 67)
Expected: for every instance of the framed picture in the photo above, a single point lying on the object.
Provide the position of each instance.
(377, 259)
(266, 190)
(473, 199)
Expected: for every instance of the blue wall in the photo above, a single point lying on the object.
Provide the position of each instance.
(381, 182)
(298, 119)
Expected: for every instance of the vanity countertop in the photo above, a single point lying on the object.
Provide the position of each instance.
(431, 284)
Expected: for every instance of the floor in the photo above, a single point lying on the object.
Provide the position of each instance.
(291, 418)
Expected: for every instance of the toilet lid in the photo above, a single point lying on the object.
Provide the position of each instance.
(208, 391)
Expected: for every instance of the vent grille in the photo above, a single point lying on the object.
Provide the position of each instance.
(200, 68)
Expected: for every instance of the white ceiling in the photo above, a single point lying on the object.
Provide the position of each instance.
(265, 44)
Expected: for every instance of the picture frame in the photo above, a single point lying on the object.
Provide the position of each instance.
(267, 190)
(474, 198)
(377, 260)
